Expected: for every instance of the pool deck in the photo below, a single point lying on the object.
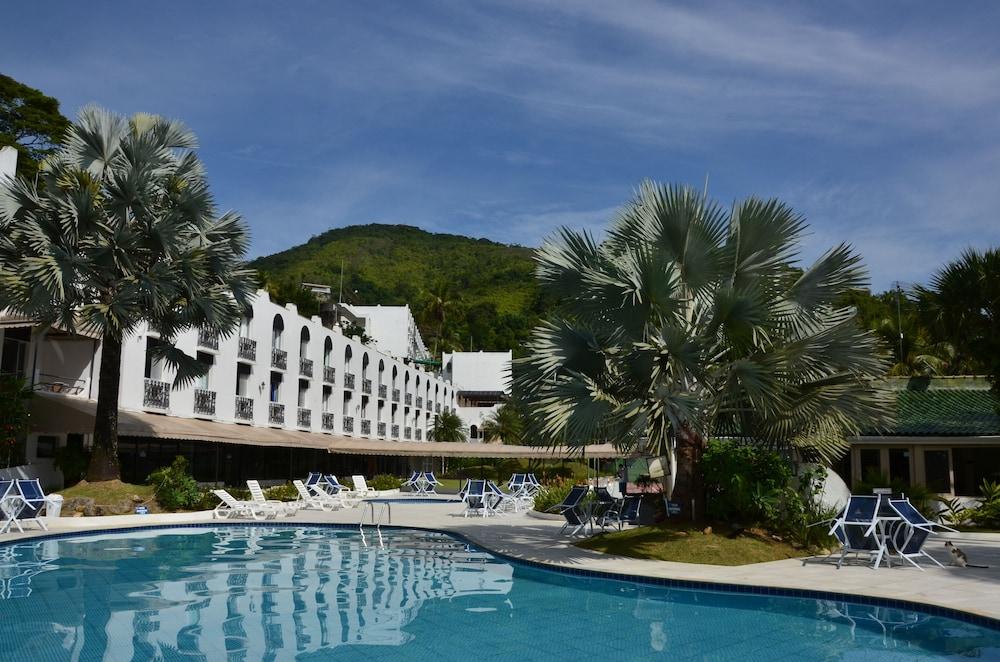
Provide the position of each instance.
(972, 590)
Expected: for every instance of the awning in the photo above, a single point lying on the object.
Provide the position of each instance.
(354, 446)
(52, 414)
(56, 414)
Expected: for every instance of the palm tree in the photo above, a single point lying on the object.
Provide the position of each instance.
(120, 230)
(505, 424)
(689, 320)
(438, 304)
(447, 427)
(962, 307)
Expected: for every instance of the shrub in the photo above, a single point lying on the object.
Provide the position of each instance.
(552, 494)
(175, 488)
(385, 482)
(286, 492)
(987, 513)
(72, 461)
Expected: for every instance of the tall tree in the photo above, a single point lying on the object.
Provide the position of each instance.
(690, 320)
(448, 427)
(506, 424)
(122, 230)
(30, 122)
(962, 307)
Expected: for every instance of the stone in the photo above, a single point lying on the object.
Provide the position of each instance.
(122, 507)
(707, 531)
(82, 505)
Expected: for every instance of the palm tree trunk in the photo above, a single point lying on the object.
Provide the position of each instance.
(689, 489)
(104, 458)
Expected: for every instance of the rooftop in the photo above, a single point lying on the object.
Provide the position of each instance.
(944, 407)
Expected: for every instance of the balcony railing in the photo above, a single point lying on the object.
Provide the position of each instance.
(204, 402)
(383, 391)
(329, 374)
(306, 367)
(381, 429)
(279, 358)
(437, 408)
(156, 394)
(420, 434)
(366, 386)
(304, 418)
(207, 339)
(407, 433)
(395, 432)
(408, 399)
(327, 421)
(244, 408)
(395, 395)
(247, 349)
(366, 427)
(348, 424)
(276, 413)
(349, 380)
(420, 403)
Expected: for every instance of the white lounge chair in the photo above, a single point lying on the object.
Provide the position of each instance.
(361, 487)
(316, 499)
(229, 506)
(257, 494)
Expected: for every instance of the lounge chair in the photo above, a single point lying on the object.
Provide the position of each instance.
(856, 529)
(607, 509)
(11, 504)
(430, 483)
(257, 494)
(361, 487)
(499, 502)
(317, 498)
(516, 483)
(34, 502)
(531, 485)
(572, 509)
(229, 506)
(348, 497)
(475, 498)
(908, 537)
(413, 482)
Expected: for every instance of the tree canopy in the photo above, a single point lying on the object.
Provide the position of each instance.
(30, 122)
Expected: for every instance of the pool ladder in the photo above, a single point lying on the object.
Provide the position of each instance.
(384, 512)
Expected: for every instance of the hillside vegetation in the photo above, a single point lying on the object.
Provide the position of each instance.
(465, 293)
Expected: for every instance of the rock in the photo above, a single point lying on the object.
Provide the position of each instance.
(707, 531)
(136, 499)
(123, 507)
(82, 505)
(680, 533)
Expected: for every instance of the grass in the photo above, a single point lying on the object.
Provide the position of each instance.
(109, 492)
(687, 543)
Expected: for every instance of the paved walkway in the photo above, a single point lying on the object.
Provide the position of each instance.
(967, 589)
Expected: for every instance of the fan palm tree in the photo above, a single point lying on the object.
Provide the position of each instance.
(505, 424)
(447, 427)
(689, 320)
(122, 230)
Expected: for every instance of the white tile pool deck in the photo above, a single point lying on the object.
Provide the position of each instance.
(971, 590)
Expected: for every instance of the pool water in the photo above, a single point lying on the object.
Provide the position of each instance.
(288, 593)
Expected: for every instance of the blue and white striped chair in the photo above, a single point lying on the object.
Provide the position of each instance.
(34, 503)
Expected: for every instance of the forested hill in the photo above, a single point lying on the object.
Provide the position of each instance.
(484, 291)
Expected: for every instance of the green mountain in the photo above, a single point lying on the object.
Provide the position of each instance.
(465, 293)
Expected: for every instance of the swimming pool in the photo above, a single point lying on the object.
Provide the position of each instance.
(318, 593)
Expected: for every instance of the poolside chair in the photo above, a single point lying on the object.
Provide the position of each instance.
(474, 497)
(572, 509)
(11, 504)
(317, 499)
(908, 537)
(34, 502)
(856, 529)
(607, 509)
(257, 494)
(229, 506)
(314, 478)
(531, 485)
(430, 483)
(516, 483)
(413, 482)
(361, 487)
(499, 502)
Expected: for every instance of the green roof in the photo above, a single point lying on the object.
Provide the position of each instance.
(945, 407)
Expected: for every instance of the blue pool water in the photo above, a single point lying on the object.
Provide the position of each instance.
(285, 593)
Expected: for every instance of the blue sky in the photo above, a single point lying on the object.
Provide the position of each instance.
(878, 121)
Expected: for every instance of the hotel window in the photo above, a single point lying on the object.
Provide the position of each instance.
(973, 466)
(14, 351)
(207, 360)
(899, 465)
(46, 446)
(937, 471)
(871, 463)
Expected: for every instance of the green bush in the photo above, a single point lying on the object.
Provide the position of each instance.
(286, 492)
(175, 488)
(552, 494)
(72, 461)
(987, 513)
(385, 482)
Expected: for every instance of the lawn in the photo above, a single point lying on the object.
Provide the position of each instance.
(688, 543)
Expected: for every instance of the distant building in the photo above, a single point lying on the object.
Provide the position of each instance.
(946, 436)
(482, 382)
(393, 329)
